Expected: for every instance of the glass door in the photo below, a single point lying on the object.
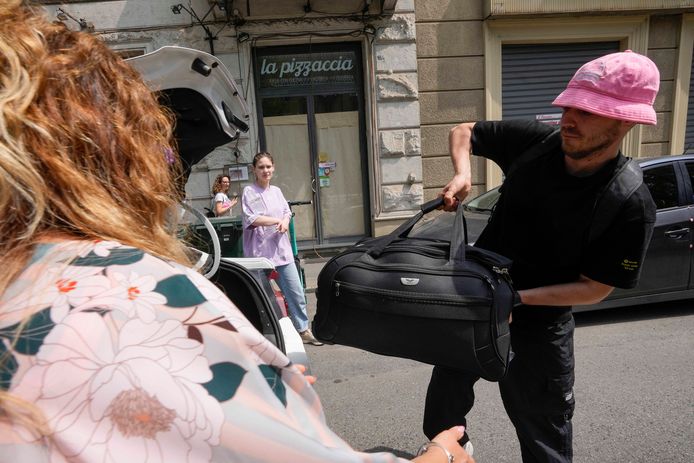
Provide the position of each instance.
(311, 118)
(285, 120)
(340, 175)
(316, 143)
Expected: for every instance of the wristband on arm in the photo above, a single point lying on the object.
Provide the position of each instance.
(424, 448)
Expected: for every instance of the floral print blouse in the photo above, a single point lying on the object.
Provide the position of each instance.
(134, 359)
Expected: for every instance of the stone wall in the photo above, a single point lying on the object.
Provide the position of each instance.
(397, 103)
(663, 47)
(450, 56)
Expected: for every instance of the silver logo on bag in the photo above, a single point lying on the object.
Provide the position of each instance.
(409, 281)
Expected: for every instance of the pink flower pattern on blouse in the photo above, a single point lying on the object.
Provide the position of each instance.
(134, 359)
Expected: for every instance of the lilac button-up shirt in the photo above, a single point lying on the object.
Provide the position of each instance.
(259, 241)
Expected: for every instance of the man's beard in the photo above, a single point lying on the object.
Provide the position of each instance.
(592, 145)
(586, 152)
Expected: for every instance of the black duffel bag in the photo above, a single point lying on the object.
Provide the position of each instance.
(436, 301)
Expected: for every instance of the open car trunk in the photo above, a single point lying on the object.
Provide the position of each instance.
(201, 92)
(210, 112)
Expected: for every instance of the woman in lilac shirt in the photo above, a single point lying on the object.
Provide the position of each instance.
(266, 218)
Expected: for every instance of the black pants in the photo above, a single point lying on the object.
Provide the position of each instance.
(537, 391)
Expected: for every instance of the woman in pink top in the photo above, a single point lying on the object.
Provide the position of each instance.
(266, 217)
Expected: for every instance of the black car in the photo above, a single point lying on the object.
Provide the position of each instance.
(667, 269)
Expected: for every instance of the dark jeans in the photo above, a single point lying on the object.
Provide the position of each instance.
(537, 391)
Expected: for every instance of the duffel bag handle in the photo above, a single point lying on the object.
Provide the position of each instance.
(458, 237)
(431, 205)
(458, 233)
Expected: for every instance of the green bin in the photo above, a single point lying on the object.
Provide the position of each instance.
(230, 233)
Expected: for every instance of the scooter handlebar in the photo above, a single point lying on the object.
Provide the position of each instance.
(299, 203)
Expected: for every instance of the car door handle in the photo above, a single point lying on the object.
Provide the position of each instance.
(676, 234)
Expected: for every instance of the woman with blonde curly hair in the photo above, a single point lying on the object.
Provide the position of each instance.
(221, 204)
(111, 347)
(77, 181)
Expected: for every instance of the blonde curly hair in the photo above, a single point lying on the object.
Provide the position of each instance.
(217, 185)
(82, 150)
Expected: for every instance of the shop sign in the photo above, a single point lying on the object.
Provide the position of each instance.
(549, 119)
(275, 71)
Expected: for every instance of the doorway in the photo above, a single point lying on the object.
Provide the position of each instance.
(312, 122)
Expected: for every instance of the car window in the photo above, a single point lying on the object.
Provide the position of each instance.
(690, 171)
(662, 182)
(484, 202)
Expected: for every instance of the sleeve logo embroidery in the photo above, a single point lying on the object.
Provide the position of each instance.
(630, 265)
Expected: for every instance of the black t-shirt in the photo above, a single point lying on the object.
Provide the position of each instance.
(544, 214)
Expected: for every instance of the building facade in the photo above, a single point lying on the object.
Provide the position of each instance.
(355, 98)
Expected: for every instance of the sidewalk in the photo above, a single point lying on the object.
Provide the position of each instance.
(312, 268)
(313, 262)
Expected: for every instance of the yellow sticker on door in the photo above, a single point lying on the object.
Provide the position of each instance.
(630, 264)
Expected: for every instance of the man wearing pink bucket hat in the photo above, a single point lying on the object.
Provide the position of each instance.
(620, 86)
(576, 219)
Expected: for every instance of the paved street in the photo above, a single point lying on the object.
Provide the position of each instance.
(634, 388)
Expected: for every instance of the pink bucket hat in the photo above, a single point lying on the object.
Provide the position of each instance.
(619, 86)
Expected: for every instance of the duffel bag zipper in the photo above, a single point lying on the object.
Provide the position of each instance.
(406, 268)
(432, 251)
(403, 296)
(503, 273)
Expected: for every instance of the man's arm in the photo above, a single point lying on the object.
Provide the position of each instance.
(581, 292)
(461, 184)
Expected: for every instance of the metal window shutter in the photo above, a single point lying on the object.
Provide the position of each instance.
(689, 134)
(533, 75)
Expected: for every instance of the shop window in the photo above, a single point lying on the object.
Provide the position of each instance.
(130, 52)
(131, 49)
